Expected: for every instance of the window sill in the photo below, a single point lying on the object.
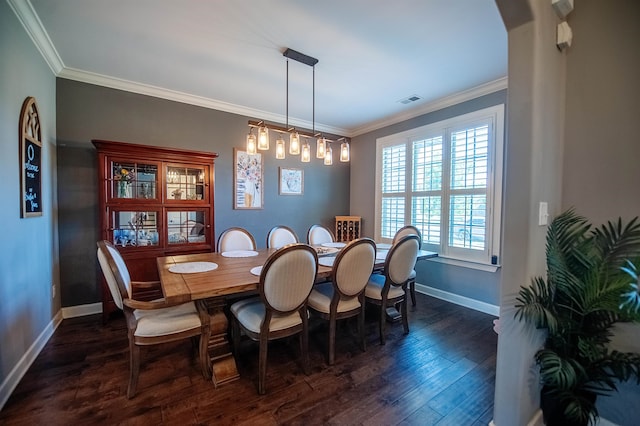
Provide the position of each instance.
(465, 264)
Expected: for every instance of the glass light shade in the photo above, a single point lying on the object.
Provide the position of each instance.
(320, 148)
(263, 138)
(328, 156)
(306, 153)
(294, 143)
(344, 152)
(280, 149)
(251, 144)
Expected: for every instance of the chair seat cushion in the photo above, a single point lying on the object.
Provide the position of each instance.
(166, 321)
(375, 285)
(412, 275)
(250, 313)
(320, 299)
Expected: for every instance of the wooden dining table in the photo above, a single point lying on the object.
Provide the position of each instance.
(231, 278)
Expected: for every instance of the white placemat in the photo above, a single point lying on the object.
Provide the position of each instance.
(383, 246)
(382, 254)
(239, 253)
(256, 271)
(336, 244)
(326, 261)
(192, 267)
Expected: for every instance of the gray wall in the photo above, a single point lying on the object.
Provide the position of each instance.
(29, 261)
(602, 147)
(477, 285)
(88, 112)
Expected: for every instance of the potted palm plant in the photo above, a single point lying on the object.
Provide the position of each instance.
(591, 283)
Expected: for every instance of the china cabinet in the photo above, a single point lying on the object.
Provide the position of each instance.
(153, 202)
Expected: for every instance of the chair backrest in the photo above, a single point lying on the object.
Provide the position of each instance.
(353, 266)
(287, 277)
(402, 259)
(319, 234)
(115, 272)
(280, 236)
(236, 239)
(408, 230)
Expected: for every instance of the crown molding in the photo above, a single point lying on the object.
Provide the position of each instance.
(456, 98)
(33, 26)
(177, 96)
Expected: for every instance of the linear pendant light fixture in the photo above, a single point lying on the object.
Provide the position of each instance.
(296, 146)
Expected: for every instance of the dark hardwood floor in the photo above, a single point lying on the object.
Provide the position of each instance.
(441, 373)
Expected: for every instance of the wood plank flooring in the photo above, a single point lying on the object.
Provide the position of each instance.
(441, 373)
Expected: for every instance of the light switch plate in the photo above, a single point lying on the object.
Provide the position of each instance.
(543, 214)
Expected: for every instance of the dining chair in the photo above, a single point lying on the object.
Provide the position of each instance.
(280, 236)
(319, 234)
(286, 280)
(390, 288)
(235, 239)
(343, 297)
(154, 322)
(408, 230)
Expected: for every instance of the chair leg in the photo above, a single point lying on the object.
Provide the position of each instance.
(134, 368)
(383, 321)
(331, 347)
(363, 341)
(405, 319)
(412, 288)
(262, 364)
(304, 342)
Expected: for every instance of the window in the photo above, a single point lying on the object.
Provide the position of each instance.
(446, 179)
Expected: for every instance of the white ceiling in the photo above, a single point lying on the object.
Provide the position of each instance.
(227, 55)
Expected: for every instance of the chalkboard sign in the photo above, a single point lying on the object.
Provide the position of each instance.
(30, 160)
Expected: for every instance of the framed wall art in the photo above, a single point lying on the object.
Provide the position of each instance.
(30, 159)
(248, 180)
(291, 181)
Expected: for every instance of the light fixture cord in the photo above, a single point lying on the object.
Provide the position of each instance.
(287, 125)
(313, 101)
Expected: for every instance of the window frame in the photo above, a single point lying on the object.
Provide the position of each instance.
(494, 117)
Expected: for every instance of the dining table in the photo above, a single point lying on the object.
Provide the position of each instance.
(214, 279)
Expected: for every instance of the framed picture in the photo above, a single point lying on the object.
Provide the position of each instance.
(30, 160)
(248, 181)
(291, 181)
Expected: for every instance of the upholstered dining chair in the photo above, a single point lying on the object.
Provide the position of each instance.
(155, 322)
(235, 239)
(390, 288)
(319, 234)
(408, 230)
(280, 236)
(286, 280)
(343, 297)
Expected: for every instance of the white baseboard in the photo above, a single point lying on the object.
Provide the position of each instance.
(459, 300)
(16, 374)
(81, 310)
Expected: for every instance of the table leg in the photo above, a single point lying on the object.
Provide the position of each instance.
(223, 363)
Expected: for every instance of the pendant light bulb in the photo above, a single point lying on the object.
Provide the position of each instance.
(294, 143)
(328, 156)
(280, 148)
(344, 152)
(320, 148)
(251, 144)
(306, 153)
(263, 138)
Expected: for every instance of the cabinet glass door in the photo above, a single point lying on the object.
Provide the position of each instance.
(134, 228)
(187, 226)
(133, 180)
(186, 183)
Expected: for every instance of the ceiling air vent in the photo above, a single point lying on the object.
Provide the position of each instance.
(410, 99)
